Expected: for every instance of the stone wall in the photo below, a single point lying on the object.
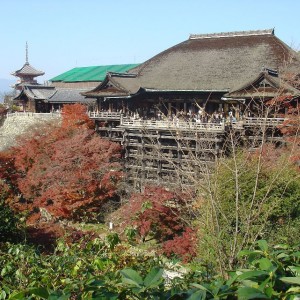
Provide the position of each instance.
(19, 124)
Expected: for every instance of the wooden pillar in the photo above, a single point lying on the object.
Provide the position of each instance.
(99, 104)
(169, 109)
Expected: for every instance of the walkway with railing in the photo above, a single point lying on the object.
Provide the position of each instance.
(263, 121)
(104, 115)
(180, 125)
(34, 115)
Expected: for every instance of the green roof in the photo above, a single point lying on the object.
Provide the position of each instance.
(96, 73)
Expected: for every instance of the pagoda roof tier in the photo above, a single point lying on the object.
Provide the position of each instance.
(28, 70)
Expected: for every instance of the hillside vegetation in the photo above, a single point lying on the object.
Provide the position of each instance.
(62, 185)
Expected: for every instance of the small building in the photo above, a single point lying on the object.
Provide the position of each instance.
(65, 88)
(26, 74)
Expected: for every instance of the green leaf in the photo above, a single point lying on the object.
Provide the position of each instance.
(292, 280)
(200, 287)
(296, 254)
(248, 252)
(265, 264)
(2, 294)
(232, 279)
(262, 286)
(282, 255)
(245, 293)
(293, 290)
(251, 274)
(18, 295)
(105, 295)
(154, 277)
(263, 245)
(295, 269)
(131, 277)
(41, 292)
(198, 295)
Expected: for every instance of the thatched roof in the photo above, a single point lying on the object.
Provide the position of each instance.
(211, 62)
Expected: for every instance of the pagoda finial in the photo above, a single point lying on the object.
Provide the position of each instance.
(27, 53)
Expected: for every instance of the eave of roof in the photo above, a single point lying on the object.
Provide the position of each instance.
(248, 90)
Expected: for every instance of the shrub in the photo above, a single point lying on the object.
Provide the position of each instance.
(183, 246)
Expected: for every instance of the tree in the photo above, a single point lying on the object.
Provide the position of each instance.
(249, 197)
(69, 171)
(160, 214)
(254, 190)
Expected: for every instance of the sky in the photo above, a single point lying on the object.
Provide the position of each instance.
(63, 34)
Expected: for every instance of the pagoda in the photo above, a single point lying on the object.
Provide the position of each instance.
(26, 74)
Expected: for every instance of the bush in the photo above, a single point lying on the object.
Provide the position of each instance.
(10, 224)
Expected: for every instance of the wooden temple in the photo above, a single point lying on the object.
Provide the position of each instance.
(173, 113)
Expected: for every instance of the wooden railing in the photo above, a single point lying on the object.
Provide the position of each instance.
(263, 121)
(35, 115)
(182, 125)
(104, 115)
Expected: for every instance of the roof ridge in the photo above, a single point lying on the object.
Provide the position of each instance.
(232, 34)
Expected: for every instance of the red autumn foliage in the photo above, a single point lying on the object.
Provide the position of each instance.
(8, 176)
(68, 171)
(75, 115)
(161, 214)
(291, 127)
(46, 235)
(287, 106)
(183, 246)
(156, 212)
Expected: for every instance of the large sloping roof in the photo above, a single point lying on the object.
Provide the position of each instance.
(67, 96)
(210, 63)
(94, 73)
(51, 94)
(217, 62)
(27, 69)
(37, 92)
(115, 84)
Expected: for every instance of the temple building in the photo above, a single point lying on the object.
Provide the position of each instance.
(174, 112)
(26, 74)
(219, 72)
(63, 89)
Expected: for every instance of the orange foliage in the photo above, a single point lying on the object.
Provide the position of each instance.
(75, 115)
(68, 171)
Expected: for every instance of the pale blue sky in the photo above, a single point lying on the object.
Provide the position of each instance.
(63, 34)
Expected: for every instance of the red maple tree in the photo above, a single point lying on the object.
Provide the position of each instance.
(67, 170)
(162, 214)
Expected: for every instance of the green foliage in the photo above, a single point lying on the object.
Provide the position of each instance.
(10, 224)
(250, 197)
(79, 272)
(67, 271)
